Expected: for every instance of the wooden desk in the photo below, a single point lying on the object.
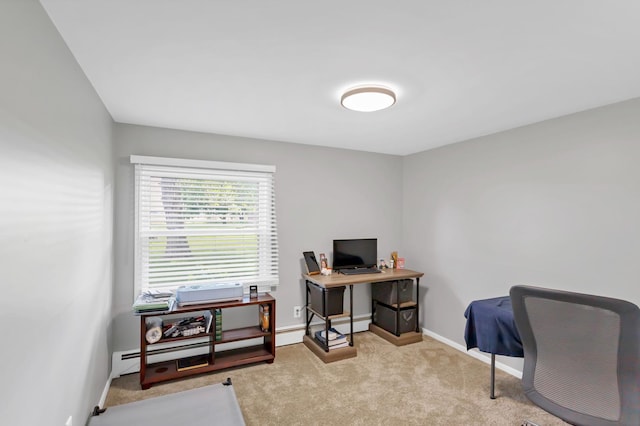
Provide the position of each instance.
(339, 280)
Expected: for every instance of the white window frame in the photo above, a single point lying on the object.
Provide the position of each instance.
(267, 261)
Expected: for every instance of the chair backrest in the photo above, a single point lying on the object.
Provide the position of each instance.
(581, 355)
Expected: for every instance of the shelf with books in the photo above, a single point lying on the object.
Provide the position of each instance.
(216, 357)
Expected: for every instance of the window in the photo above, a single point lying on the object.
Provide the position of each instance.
(203, 221)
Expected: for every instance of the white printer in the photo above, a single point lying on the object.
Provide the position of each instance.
(208, 293)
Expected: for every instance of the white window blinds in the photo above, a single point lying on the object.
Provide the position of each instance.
(201, 221)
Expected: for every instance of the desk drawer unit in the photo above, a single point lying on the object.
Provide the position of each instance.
(386, 318)
(389, 292)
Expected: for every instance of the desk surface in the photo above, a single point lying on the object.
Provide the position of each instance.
(337, 279)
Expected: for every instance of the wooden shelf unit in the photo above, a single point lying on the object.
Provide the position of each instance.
(151, 373)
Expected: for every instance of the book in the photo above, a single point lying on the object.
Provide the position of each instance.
(339, 338)
(209, 321)
(332, 344)
(338, 346)
(341, 344)
(333, 333)
(191, 362)
(218, 323)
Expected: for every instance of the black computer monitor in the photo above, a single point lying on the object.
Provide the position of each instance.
(355, 253)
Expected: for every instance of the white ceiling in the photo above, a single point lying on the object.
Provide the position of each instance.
(276, 69)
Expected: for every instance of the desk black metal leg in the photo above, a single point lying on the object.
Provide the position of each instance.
(327, 321)
(493, 376)
(417, 304)
(397, 331)
(306, 306)
(351, 343)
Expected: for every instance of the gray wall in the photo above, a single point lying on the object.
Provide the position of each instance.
(321, 194)
(555, 204)
(56, 217)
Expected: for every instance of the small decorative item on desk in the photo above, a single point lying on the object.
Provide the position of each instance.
(401, 263)
(394, 259)
(264, 317)
(253, 291)
(324, 264)
(383, 264)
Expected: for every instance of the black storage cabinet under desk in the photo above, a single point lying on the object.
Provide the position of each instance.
(392, 292)
(331, 305)
(386, 317)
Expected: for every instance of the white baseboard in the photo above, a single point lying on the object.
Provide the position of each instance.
(486, 358)
(105, 391)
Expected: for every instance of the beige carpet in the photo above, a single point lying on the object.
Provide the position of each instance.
(425, 383)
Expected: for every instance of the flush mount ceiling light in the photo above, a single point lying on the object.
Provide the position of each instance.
(368, 99)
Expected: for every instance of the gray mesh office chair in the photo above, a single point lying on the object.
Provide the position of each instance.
(581, 355)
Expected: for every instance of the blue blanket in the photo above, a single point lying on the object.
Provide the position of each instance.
(491, 327)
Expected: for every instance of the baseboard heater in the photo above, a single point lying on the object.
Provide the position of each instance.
(128, 362)
(136, 355)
